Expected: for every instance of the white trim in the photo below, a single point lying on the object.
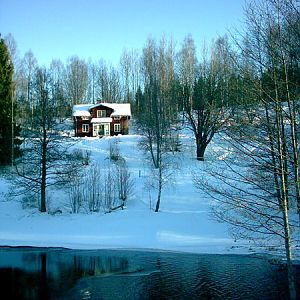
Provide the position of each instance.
(119, 127)
(85, 128)
(101, 113)
(101, 120)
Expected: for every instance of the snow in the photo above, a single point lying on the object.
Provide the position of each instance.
(183, 223)
(120, 109)
(81, 110)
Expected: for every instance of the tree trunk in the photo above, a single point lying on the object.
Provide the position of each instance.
(291, 278)
(44, 172)
(159, 190)
(158, 199)
(293, 125)
(201, 147)
(281, 145)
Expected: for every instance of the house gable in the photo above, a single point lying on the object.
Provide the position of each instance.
(100, 111)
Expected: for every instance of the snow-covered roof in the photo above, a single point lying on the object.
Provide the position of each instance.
(101, 120)
(81, 110)
(119, 109)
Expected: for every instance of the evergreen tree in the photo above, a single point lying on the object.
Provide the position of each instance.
(6, 105)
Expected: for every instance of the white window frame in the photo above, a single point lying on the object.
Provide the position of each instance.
(101, 113)
(117, 118)
(85, 128)
(117, 127)
(106, 128)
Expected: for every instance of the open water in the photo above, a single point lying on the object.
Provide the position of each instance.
(51, 273)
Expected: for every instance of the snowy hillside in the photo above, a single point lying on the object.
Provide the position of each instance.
(183, 223)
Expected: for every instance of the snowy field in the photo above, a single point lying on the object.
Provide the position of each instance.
(183, 223)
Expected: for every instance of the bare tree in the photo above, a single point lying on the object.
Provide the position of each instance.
(110, 191)
(76, 80)
(28, 68)
(205, 91)
(259, 197)
(124, 180)
(130, 73)
(110, 83)
(155, 115)
(12, 48)
(93, 85)
(125, 63)
(45, 161)
(94, 187)
(187, 64)
(58, 93)
(76, 194)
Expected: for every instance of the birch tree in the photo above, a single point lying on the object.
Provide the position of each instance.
(260, 195)
(93, 86)
(76, 80)
(26, 99)
(57, 75)
(155, 116)
(110, 83)
(131, 74)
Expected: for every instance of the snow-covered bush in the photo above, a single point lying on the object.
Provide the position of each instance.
(94, 187)
(114, 150)
(123, 179)
(100, 188)
(76, 195)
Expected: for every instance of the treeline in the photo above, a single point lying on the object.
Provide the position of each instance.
(161, 80)
(167, 84)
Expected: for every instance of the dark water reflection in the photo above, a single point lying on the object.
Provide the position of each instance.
(35, 273)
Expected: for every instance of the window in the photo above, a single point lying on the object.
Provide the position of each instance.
(117, 118)
(85, 127)
(117, 127)
(101, 113)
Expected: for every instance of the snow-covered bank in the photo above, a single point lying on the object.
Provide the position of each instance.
(183, 224)
(187, 231)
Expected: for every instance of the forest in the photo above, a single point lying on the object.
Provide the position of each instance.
(245, 84)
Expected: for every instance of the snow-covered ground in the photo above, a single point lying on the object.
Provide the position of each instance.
(183, 223)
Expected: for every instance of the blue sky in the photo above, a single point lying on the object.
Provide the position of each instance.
(102, 29)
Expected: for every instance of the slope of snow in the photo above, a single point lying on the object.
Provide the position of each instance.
(183, 223)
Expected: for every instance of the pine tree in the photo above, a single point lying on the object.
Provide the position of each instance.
(6, 92)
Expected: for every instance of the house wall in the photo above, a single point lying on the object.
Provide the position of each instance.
(78, 127)
(123, 124)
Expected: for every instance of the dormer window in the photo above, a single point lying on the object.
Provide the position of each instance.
(117, 118)
(101, 113)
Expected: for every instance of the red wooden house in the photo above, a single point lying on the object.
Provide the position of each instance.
(101, 119)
